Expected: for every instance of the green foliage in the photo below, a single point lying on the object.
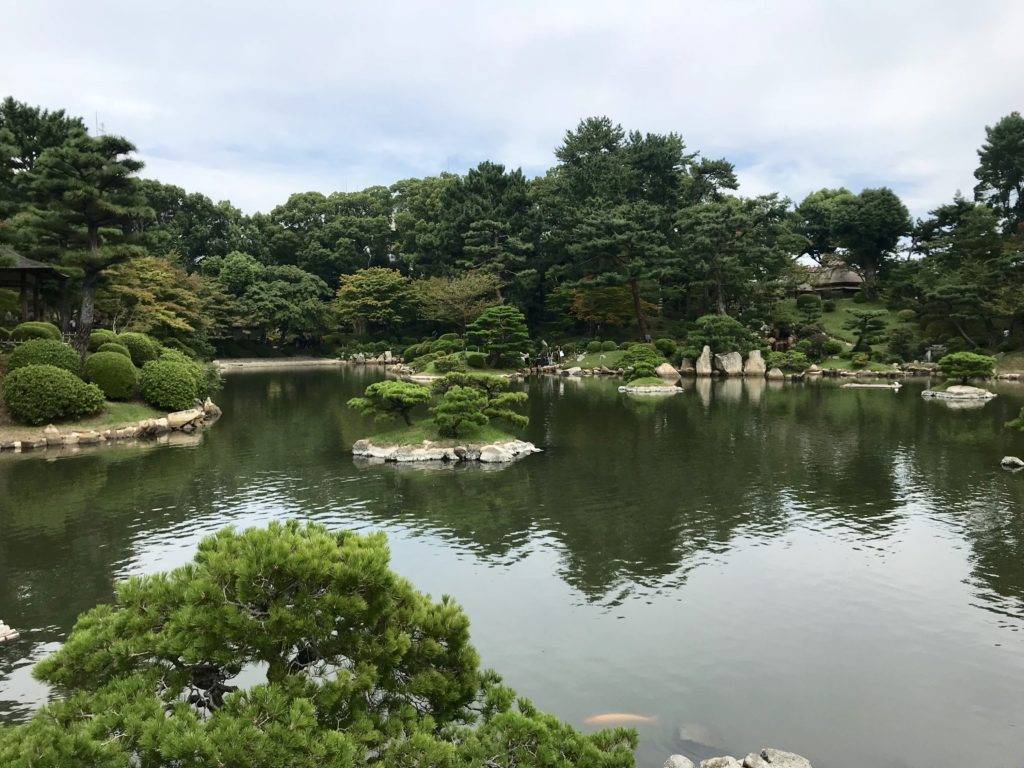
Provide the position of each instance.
(169, 384)
(967, 365)
(141, 347)
(476, 359)
(1000, 170)
(501, 333)
(450, 363)
(1017, 423)
(608, 346)
(502, 395)
(99, 337)
(459, 409)
(388, 399)
(833, 347)
(818, 346)
(667, 347)
(809, 305)
(37, 394)
(906, 315)
(149, 680)
(111, 346)
(112, 372)
(44, 352)
(905, 343)
(867, 325)
(723, 334)
(642, 359)
(792, 361)
(374, 297)
(35, 329)
(595, 346)
(860, 359)
(828, 305)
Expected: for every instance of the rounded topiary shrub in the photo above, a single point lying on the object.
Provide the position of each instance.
(476, 359)
(113, 373)
(141, 347)
(44, 352)
(594, 346)
(906, 315)
(174, 354)
(113, 346)
(99, 337)
(37, 394)
(609, 346)
(35, 329)
(168, 384)
(450, 363)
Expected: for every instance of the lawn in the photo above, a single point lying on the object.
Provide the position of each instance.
(112, 415)
(843, 364)
(651, 381)
(1010, 362)
(425, 429)
(595, 359)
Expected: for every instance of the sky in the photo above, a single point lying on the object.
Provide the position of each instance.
(252, 101)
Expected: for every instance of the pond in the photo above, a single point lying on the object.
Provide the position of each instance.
(835, 572)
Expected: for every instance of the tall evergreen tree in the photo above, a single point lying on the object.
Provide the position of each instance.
(1000, 171)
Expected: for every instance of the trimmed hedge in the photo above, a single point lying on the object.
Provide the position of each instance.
(476, 359)
(594, 346)
(44, 352)
(114, 373)
(141, 347)
(99, 337)
(113, 346)
(609, 346)
(169, 384)
(37, 394)
(35, 329)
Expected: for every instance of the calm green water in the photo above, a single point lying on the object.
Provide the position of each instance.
(835, 572)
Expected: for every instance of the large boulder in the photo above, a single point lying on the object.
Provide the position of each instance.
(729, 364)
(776, 374)
(667, 370)
(179, 419)
(687, 368)
(1011, 462)
(721, 762)
(755, 365)
(776, 758)
(703, 365)
(678, 761)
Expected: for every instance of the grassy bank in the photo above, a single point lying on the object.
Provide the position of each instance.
(114, 414)
(425, 429)
(595, 360)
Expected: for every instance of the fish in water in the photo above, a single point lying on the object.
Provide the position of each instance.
(619, 718)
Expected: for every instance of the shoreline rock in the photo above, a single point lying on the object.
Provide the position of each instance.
(487, 453)
(766, 758)
(651, 389)
(959, 392)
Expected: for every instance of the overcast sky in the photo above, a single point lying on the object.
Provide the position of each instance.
(251, 101)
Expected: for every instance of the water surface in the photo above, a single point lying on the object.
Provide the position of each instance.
(835, 572)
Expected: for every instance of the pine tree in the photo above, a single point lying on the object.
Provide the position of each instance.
(502, 334)
(388, 399)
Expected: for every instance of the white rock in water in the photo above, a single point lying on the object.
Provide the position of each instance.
(776, 758)
(574, 371)
(730, 363)
(1011, 462)
(755, 365)
(678, 761)
(667, 370)
(959, 392)
(754, 760)
(703, 364)
(776, 374)
(6, 633)
(721, 762)
(178, 419)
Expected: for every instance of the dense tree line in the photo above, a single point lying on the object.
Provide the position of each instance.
(627, 234)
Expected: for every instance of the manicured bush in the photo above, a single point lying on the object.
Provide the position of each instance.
(792, 361)
(905, 343)
(35, 329)
(387, 399)
(860, 359)
(37, 394)
(44, 352)
(142, 348)
(833, 347)
(906, 315)
(967, 365)
(501, 333)
(502, 395)
(643, 359)
(594, 346)
(176, 355)
(113, 346)
(809, 307)
(451, 363)
(667, 347)
(112, 372)
(609, 346)
(723, 334)
(476, 359)
(459, 409)
(169, 384)
(99, 337)
(828, 305)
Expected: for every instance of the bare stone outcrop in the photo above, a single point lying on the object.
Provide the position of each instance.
(729, 363)
(754, 365)
(703, 365)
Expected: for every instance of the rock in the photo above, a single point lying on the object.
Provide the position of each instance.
(71, 439)
(755, 365)
(813, 370)
(387, 356)
(52, 435)
(959, 392)
(667, 370)
(776, 758)
(7, 634)
(179, 419)
(730, 363)
(1011, 462)
(665, 389)
(754, 760)
(703, 365)
(776, 374)
(678, 761)
(495, 454)
(574, 371)
(687, 368)
(721, 762)
(90, 438)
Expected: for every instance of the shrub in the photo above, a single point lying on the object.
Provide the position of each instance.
(594, 346)
(723, 334)
(609, 346)
(388, 399)
(860, 359)
(1017, 423)
(833, 347)
(828, 305)
(37, 394)
(643, 359)
(501, 333)
(476, 359)
(35, 329)
(792, 361)
(967, 365)
(502, 395)
(451, 363)
(905, 343)
(113, 346)
(141, 347)
(667, 347)
(99, 337)
(44, 352)
(169, 384)
(906, 315)
(809, 307)
(458, 409)
(815, 347)
(176, 355)
(113, 373)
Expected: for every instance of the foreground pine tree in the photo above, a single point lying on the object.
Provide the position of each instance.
(286, 647)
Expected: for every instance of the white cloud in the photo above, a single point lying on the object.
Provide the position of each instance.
(254, 100)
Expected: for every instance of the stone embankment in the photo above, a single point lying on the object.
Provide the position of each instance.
(487, 453)
(187, 421)
(766, 758)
